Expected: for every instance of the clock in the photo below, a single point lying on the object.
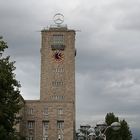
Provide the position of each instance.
(58, 55)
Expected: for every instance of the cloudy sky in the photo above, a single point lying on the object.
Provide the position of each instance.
(108, 52)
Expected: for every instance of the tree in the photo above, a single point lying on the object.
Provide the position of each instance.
(10, 99)
(125, 131)
(110, 118)
(123, 134)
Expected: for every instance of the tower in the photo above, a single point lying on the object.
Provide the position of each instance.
(57, 86)
(52, 117)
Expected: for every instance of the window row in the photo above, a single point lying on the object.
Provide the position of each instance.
(58, 98)
(32, 138)
(60, 125)
(46, 112)
(58, 70)
(57, 83)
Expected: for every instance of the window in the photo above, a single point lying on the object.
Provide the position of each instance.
(60, 111)
(45, 129)
(31, 124)
(45, 138)
(58, 39)
(45, 125)
(45, 112)
(30, 138)
(60, 124)
(57, 42)
(30, 111)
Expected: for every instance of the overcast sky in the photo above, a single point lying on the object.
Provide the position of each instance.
(108, 52)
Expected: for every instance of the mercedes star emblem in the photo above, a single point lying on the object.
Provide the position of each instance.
(58, 18)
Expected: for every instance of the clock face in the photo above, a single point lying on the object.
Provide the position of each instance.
(58, 56)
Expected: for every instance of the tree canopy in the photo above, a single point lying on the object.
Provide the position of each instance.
(123, 134)
(125, 131)
(10, 99)
(110, 118)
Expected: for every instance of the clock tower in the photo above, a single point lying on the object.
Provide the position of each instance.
(57, 85)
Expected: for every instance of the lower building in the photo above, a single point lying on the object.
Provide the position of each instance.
(47, 121)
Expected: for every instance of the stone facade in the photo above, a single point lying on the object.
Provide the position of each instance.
(53, 116)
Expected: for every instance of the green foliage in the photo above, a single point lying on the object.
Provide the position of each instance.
(123, 134)
(10, 99)
(125, 131)
(3, 45)
(110, 118)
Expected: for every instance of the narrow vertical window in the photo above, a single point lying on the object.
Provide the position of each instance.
(45, 130)
(45, 112)
(60, 111)
(60, 124)
(31, 124)
(30, 111)
(45, 125)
